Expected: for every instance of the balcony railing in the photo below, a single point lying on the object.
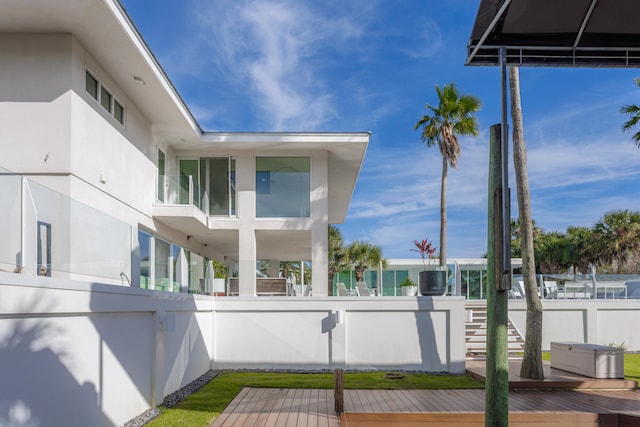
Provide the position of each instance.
(181, 190)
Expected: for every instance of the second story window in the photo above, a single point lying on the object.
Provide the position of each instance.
(104, 97)
(283, 187)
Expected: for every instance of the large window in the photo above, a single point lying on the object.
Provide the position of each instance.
(283, 187)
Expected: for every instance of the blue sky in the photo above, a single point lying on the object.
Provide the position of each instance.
(372, 65)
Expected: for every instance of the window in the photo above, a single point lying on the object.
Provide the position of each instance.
(161, 176)
(144, 240)
(217, 177)
(118, 112)
(283, 187)
(91, 86)
(104, 97)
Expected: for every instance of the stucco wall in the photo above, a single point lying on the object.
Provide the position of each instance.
(377, 333)
(597, 322)
(95, 355)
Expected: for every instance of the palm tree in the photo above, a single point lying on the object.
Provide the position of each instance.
(532, 358)
(452, 116)
(633, 111)
(617, 236)
(337, 256)
(363, 255)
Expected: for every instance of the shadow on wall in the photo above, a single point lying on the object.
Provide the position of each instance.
(64, 363)
(429, 346)
(157, 342)
(37, 387)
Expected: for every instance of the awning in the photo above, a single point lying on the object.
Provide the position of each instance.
(557, 33)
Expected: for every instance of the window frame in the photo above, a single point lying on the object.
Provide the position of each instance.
(101, 91)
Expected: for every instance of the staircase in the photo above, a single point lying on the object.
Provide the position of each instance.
(476, 334)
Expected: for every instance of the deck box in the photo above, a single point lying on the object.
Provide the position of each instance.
(591, 360)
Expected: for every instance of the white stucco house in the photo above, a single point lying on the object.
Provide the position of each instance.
(141, 194)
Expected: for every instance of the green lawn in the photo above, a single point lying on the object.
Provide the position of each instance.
(203, 406)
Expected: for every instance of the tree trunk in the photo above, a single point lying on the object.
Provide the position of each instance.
(443, 214)
(330, 284)
(532, 359)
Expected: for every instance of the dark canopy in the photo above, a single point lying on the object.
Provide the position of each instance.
(565, 33)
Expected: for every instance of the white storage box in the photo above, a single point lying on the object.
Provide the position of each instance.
(591, 360)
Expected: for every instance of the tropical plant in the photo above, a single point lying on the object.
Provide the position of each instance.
(407, 282)
(426, 250)
(337, 256)
(453, 116)
(633, 111)
(616, 236)
(219, 269)
(363, 255)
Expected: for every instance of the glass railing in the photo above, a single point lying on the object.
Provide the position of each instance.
(46, 233)
(181, 190)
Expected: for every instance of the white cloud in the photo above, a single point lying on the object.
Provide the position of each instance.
(271, 47)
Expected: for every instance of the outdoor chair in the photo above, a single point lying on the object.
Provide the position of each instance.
(517, 290)
(550, 289)
(362, 289)
(342, 289)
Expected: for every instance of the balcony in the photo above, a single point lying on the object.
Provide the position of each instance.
(181, 204)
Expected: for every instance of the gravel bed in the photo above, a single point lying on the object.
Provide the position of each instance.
(172, 400)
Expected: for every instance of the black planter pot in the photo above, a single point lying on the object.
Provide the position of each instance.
(433, 283)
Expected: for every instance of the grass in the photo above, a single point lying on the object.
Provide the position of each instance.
(203, 406)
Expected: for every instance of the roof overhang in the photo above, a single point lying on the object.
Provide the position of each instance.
(345, 155)
(552, 33)
(105, 30)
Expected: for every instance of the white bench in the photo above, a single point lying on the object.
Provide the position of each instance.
(591, 360)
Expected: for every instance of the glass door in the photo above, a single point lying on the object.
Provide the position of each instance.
(188, 168)
(217, 176)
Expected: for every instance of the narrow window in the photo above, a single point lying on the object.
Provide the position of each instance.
(105, 99)
(118, 112)
(161, 177)
(44, 249)
(91, 86)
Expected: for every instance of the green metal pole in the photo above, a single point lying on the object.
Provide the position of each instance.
(497, 376)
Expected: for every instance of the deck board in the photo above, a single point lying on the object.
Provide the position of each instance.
(283, 407)
(559, 399)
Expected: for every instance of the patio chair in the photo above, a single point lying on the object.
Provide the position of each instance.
(362, 289)
(550, 289)
(517, 290)
(342, 289)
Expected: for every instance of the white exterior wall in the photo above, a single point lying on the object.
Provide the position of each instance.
(588, 321)
(425, 334)
(82, 354)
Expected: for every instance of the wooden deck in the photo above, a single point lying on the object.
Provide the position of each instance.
(553, 378)
(562, 399)
(298, 407)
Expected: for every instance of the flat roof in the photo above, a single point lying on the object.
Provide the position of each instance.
(556, 33)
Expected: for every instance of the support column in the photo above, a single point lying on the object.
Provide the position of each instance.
(497, 378)
(320, 226)
(274, 268)
(246, 184)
